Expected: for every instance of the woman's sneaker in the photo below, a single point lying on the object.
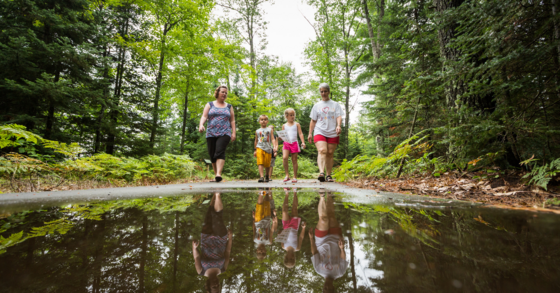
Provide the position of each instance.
(286, 179)
(261, 180)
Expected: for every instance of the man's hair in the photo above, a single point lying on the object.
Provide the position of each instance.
(324, 86)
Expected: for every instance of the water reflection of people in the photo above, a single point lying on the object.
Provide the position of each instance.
(215, 244)
(264, 222)
(327, 245)
(291, 224)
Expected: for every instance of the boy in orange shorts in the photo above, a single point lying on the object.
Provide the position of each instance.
(263, 148)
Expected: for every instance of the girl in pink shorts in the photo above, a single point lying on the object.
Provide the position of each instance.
(291, 147)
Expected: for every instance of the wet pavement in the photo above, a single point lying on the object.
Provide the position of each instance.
(273, 240)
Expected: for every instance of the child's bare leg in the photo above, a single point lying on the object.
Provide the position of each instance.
(218, 206)
(295, 205)
(261, 170)
(260, 200)
(285, 155)
(285, 207)
(323, 223)
(294, 164)
(333, 223)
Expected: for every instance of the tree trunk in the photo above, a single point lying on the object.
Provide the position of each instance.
(50, 115)
(176, 250)
(105, 99)
(113, 114)
(455, 88)
(155, 114)
(185, 110)
(556, 28)
(143, 252)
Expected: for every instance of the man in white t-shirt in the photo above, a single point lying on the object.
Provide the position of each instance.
(327, 244)
(324, 131)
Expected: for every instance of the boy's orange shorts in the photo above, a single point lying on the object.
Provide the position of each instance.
(263, 158)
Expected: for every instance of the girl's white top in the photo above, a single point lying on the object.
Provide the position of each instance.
(291, 131)
(292, 239)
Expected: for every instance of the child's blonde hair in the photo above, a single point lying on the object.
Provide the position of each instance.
(288, 111)
(262, 115)
(290, 262)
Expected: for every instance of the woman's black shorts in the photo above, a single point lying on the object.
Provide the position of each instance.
(217, 147)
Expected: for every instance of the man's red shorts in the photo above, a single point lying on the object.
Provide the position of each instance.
(333, 140)
(333, 230)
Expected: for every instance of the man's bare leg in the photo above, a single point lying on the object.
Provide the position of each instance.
(323, 223)
(333, 223)
(331, 147)
(322, 155)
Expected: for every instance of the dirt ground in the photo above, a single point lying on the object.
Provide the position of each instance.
(506, 191)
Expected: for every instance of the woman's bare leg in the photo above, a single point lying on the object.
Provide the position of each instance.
(218, 206)
(219, 167)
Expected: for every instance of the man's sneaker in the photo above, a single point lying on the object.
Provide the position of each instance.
(261, 180)
(329, 178)
(266, 179)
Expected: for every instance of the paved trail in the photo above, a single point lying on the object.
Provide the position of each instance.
(75, 196)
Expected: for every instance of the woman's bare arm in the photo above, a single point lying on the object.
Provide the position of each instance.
(196, 255)
(232, 122)
(203, 118)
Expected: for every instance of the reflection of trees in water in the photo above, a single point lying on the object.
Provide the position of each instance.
(144, 245)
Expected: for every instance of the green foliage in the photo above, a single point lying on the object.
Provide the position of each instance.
(376, 166)
(14, 135)
(541, 175)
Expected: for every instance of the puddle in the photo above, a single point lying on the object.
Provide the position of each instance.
(145, 245)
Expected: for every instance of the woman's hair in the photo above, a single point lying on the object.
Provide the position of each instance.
(209, 288)
(288, 111)
(217, 92)
(324, 86)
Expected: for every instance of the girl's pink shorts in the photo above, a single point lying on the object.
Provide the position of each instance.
(292, 147)
(291, 223)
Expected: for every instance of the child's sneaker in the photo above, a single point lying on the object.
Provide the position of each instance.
(286, 179)
(294, 180)
(261, 180)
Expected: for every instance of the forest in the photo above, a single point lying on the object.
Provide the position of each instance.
(113, 90)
